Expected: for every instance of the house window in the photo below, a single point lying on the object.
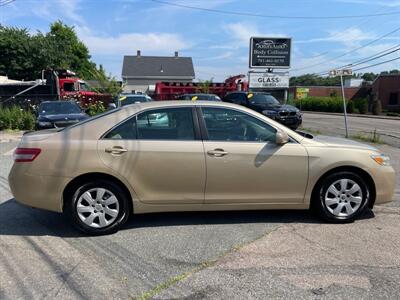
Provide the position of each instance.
(394, 99)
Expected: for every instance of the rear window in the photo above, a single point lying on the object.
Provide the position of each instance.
(106, 113)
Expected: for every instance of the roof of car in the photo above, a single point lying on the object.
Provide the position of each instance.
(58, 101)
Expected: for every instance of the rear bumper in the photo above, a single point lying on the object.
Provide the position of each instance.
(37, 191)
(385, 183)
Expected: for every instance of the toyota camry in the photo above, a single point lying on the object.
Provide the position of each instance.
(193, 156)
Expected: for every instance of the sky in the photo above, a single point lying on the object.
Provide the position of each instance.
(217, 42)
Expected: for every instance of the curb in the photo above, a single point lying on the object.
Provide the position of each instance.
(352, 115)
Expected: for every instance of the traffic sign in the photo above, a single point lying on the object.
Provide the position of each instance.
(341, 72)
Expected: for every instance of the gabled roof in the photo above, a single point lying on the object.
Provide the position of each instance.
(157, 66)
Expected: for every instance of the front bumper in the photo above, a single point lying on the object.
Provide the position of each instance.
(385, 183)
(37, 191)
(290, 121)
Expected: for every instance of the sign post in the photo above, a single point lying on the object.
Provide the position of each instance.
(342, 73)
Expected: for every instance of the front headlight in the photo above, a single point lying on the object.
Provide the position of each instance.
(381, 159)
(44, 123)
(269, 113)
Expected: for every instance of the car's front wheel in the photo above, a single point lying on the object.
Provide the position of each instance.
(98, 207)
(341, 197)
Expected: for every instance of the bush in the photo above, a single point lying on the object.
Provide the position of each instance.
(16, 118)
(362, 105)
(95, 108)
(377, 107)
(324, 104)
(350, 107)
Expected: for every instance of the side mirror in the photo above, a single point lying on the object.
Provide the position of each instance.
(111, 106)
(281, 137)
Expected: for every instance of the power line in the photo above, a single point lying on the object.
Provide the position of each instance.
(350, 51)
(248, 14)
(381, 63)
(5, 2)
(367, 59)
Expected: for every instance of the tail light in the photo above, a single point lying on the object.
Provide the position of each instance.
(26, 154)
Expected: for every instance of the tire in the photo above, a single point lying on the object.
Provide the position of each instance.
(97, 207)
(341, 197)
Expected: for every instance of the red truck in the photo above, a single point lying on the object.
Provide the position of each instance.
(171, 90)
(54, 85)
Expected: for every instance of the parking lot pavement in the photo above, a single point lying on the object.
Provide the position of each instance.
(306, 261)
(173, 254)
(389, 130)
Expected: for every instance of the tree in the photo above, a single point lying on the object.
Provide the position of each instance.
(24, 56)
(204, 85)
(108, 84)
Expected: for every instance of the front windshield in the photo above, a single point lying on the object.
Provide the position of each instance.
(57, 108)
(263, 99)
(84, 87)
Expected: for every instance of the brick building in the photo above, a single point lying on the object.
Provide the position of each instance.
(386, 87)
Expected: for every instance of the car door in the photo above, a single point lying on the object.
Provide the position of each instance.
(245, 165)
(160, 153)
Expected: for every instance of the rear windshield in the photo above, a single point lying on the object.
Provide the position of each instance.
(106, 113)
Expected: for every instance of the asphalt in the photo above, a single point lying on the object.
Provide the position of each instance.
(216, 255)
(389, 130)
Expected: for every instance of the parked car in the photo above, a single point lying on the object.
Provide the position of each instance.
(199, 97)
(53, 114)
(126, 99)
(193, 156)
(267, 104)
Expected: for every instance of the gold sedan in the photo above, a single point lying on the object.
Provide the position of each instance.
(178, 156)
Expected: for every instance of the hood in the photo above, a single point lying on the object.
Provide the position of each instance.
(63, 117)
(280, 107)
(341, 143)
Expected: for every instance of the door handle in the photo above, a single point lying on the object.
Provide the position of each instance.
(116, 150)
(217, 152)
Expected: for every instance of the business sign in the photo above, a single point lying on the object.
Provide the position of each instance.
(302, 93)
(268, 80)
(342, 72)
(270, 52)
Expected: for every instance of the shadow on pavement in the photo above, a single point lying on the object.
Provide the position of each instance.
(17, 219)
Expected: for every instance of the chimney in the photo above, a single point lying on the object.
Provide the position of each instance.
(176, 53)
(138, 53)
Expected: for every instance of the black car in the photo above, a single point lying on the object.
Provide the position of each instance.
(267, 105)
(53, 114)
(199, 97)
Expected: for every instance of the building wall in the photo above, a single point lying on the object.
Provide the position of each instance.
(383, 87)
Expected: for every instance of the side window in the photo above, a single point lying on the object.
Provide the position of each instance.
(230, 125)
(166, 124)
(69, 87)
(124, 131)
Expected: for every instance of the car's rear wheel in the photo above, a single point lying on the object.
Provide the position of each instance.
(341, 197)
(98, 207)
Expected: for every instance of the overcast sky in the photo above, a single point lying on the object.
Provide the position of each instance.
(218, 43)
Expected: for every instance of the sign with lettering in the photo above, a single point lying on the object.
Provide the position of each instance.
(268, 80)
(270, 52)
(342, 72)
